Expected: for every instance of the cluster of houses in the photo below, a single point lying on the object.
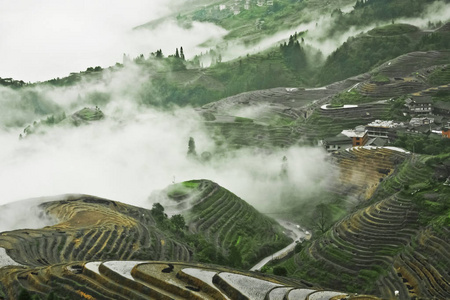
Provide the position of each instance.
(238, 5)
(429, 118)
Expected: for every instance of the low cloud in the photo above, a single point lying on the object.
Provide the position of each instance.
(137, 149)
(24, 214)
(438, 11)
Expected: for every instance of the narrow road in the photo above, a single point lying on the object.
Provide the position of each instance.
(292, 230)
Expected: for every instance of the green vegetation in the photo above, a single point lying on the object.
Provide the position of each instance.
(193, 184)
(423, 143)
(82, 116)
(243, 120)
(362, 53)
(370, 11)
(269, 19)
(381, 79)
(234, 228)
(352, 97)
(9, 82)
(440, 76)
(393, 29)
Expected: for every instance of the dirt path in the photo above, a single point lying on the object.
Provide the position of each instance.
(292, 230)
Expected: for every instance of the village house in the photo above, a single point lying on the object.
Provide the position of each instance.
(347, 139)
(419, 104)
(446, 132)
(421, 121)
(379, 128)
(336, 143)
(359, 136)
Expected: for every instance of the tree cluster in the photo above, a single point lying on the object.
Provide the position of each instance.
(294, 55)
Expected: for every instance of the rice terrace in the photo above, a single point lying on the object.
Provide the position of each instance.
(225, 149)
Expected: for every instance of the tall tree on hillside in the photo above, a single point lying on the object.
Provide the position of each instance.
(322, 217)
(182, 53)
(177, 55)
(191, 148)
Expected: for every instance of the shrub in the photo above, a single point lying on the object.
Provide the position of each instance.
(280, 271)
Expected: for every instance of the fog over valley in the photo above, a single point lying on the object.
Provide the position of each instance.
(134, 150)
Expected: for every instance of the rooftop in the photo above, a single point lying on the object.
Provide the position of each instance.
(442, 105)
(385, 124)
(354, 133)
(340, 139)
(421, 99)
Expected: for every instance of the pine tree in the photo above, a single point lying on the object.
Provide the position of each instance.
(191, 147)
(182, 53)
(177, 55)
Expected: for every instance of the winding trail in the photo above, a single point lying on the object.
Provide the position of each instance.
(296, 233)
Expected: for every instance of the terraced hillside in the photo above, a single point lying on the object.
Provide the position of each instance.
(330, 122)
(82, 117)
(361, 169)
(407, 74)
(287, 116)
(226, 221)
(93, 228)
(397, 242)
(273, 117)
(155, 280)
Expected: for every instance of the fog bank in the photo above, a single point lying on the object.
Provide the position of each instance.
(134, 150)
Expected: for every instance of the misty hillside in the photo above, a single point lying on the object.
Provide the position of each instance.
(215, 149)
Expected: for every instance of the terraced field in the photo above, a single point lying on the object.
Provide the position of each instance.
(90, 228)
(330, 122)
(362, 169)
(93, 228)
(226, 220)
(156, 280)
(384, 246)
(409, 64)
(283, 117)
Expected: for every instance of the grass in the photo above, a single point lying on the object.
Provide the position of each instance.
(193, 184)
(89, 114)
(393, 29)
(380, 79)
(243, 120)
(440, 76)
(352, 97)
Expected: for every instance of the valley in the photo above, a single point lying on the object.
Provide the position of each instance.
(293, 171)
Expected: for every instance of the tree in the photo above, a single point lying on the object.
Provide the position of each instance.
(158, 212)
(159, 54)
(177, 55)
(182, 53)
(284, 168)
(322, 217)
(178, 222)
(280, 271)
(191, 147)
(234, 258)
(24, 295)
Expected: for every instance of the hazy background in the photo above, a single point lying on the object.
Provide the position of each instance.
(50, 38)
